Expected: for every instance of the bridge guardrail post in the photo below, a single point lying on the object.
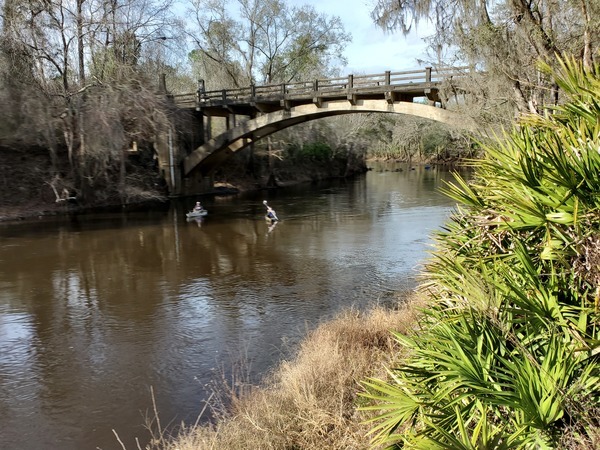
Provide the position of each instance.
(200, 92)
(252, 91)
(349, 95)
(224, 95)
(316, 98)
(388, 77)
(285, 103)
(428, 74)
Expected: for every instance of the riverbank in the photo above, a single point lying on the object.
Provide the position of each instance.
(310, 401)
(32, 209)
(27, 191)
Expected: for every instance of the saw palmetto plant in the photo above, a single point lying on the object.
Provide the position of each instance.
(508, 354)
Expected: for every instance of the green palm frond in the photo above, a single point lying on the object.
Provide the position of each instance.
(478, 432)
(512, 345)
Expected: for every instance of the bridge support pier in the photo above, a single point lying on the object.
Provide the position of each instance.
(168, 155)
(175, 138)
(206, 126)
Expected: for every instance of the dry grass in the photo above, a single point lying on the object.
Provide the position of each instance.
(309, 402)
(584, 433)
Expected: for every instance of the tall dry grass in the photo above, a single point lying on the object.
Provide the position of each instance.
(309, 402)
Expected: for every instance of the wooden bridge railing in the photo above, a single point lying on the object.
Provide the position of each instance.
(350, 84)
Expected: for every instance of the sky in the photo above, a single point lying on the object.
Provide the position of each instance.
(372, 50)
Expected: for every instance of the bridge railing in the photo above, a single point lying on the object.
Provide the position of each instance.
(348, 84)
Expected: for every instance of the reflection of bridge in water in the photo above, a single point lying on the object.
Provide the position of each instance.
(267, 109)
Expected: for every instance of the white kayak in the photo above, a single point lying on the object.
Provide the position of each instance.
(194, 214)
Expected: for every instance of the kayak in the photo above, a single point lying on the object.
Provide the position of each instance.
(194, 214)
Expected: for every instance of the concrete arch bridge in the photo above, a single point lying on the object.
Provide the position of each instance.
(266, 109)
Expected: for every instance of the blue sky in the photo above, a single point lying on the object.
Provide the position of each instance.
(372, 50)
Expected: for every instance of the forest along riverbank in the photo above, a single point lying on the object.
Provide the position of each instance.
(26, 193)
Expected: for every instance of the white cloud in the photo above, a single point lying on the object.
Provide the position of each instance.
(372, 50)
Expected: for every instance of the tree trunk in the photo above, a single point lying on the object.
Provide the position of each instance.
(538, 36)
(522, 104)
(80, 49)
(588, 61)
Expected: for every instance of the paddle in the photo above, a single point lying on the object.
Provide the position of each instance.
(270, 212)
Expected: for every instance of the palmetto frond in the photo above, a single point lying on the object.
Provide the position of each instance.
(513, 341)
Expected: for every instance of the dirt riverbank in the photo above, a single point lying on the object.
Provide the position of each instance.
(34, 183)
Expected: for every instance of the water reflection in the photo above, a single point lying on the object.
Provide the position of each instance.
(97, 309)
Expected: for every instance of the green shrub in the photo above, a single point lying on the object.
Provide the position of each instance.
(435, 138)
(316, 151)
(508, 355)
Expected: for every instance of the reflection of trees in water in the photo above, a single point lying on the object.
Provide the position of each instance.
(62, 281)
(71, 281)
(244, 251)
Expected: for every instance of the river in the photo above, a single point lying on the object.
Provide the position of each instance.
(99, 310)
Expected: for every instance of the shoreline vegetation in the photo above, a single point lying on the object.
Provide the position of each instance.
(26, 196)
(498, 348)
(308, 402)
(37, 209)
(28, 189)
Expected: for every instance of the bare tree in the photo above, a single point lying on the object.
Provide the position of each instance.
(80, 58)
(265, 41)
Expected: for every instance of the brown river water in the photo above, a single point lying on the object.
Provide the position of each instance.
(97, 310)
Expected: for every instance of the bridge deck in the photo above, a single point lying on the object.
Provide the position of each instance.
(394, 86)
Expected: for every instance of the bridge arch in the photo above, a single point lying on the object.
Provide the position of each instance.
(211, 154)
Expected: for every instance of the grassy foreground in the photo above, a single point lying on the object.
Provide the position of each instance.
(309, 402)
